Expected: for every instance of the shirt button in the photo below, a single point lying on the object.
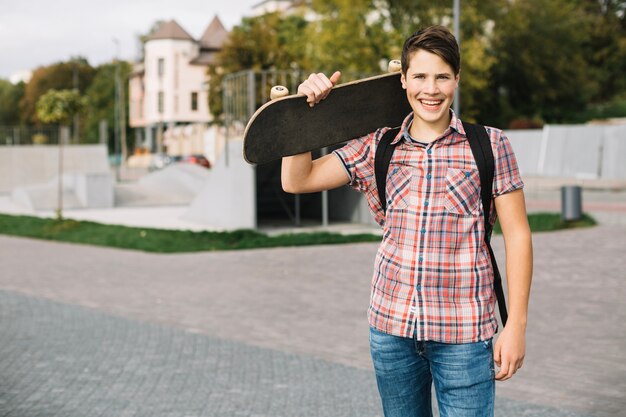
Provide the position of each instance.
(467, 174)
(429, 152)
(423, 231)
(428, 176)
(421, 259)
(426, 203)
(419, 287)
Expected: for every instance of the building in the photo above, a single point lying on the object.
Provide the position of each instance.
(169, 88)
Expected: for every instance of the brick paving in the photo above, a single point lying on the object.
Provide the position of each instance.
(88, 331)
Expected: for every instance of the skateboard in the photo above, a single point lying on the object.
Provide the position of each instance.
(287, 126)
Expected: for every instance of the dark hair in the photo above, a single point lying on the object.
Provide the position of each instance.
(434, 39)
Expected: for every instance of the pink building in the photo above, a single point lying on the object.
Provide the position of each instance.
(169, 88)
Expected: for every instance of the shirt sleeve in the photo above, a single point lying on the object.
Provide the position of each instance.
(506, 176)
(358, 160)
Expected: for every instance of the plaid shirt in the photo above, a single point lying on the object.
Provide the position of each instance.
(433, 276)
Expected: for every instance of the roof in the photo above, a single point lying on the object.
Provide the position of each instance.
(205, 58)
(171, 30)
(214, 36)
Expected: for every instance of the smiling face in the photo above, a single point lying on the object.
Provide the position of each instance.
(430, 83)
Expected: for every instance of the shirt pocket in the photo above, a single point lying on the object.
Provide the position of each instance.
(398, 188)
(462, 192)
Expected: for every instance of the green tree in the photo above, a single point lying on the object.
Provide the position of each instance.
(605, 46)
(58, 76)
(404, 17)
(10, 96)
(60, 106)
(541, 69)
(349, 36)
(477, 59)
(101, 95)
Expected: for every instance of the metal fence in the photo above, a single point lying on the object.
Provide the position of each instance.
(31, 135)
(246, 91)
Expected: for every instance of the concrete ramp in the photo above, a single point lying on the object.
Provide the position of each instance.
(80, 190)
(227, 200)
(176, 184)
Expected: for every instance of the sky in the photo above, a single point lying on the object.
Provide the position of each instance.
(42, 32)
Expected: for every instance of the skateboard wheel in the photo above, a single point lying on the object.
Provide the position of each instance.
(394, 65)
(278, 91)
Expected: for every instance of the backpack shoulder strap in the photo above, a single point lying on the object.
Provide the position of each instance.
(382, 159)
(483, 155)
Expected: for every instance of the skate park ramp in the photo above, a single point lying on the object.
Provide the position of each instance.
(227, 199)
(79, 190)
(176, 184)
(30, 175)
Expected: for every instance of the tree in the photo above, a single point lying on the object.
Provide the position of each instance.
(57, 76)
(407, 16)
(10, 96)
(60, 107)
(349, 36)
(541, 68)
(605, 46)
(101, 95)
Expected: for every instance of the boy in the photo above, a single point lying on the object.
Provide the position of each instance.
(431, 312)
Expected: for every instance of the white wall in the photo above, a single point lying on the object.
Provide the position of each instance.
(614, 152)
(575, 151)
(26, 165)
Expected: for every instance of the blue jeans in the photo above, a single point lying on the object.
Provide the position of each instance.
(405, 368)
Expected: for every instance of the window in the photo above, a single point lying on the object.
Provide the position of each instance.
(161, 102)
(194, 101)
(161, 66)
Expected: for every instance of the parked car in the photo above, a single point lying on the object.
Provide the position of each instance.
(198, 160)
(159, 161)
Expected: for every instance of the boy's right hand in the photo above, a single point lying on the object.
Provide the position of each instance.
(317, 87)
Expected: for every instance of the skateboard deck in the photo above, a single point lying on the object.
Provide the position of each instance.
(288, 126)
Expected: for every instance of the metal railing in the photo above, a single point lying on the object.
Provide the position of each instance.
(246, 91)
(29, 135)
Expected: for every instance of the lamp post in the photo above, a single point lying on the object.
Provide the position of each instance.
(456, 106)
(76, 118)
(116, 122)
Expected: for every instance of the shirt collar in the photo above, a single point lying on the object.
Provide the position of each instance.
(455, 125)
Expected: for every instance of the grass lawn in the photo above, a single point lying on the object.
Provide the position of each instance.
(171, 241)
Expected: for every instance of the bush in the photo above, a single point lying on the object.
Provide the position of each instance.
(40, 139)
(525, 123)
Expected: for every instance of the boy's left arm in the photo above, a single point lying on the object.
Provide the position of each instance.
(510, 348)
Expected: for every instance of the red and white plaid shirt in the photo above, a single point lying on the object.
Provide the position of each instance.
(432, 275)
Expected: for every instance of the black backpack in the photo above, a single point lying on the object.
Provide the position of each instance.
(483, 155)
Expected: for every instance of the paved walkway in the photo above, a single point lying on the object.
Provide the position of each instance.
(87, 331)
